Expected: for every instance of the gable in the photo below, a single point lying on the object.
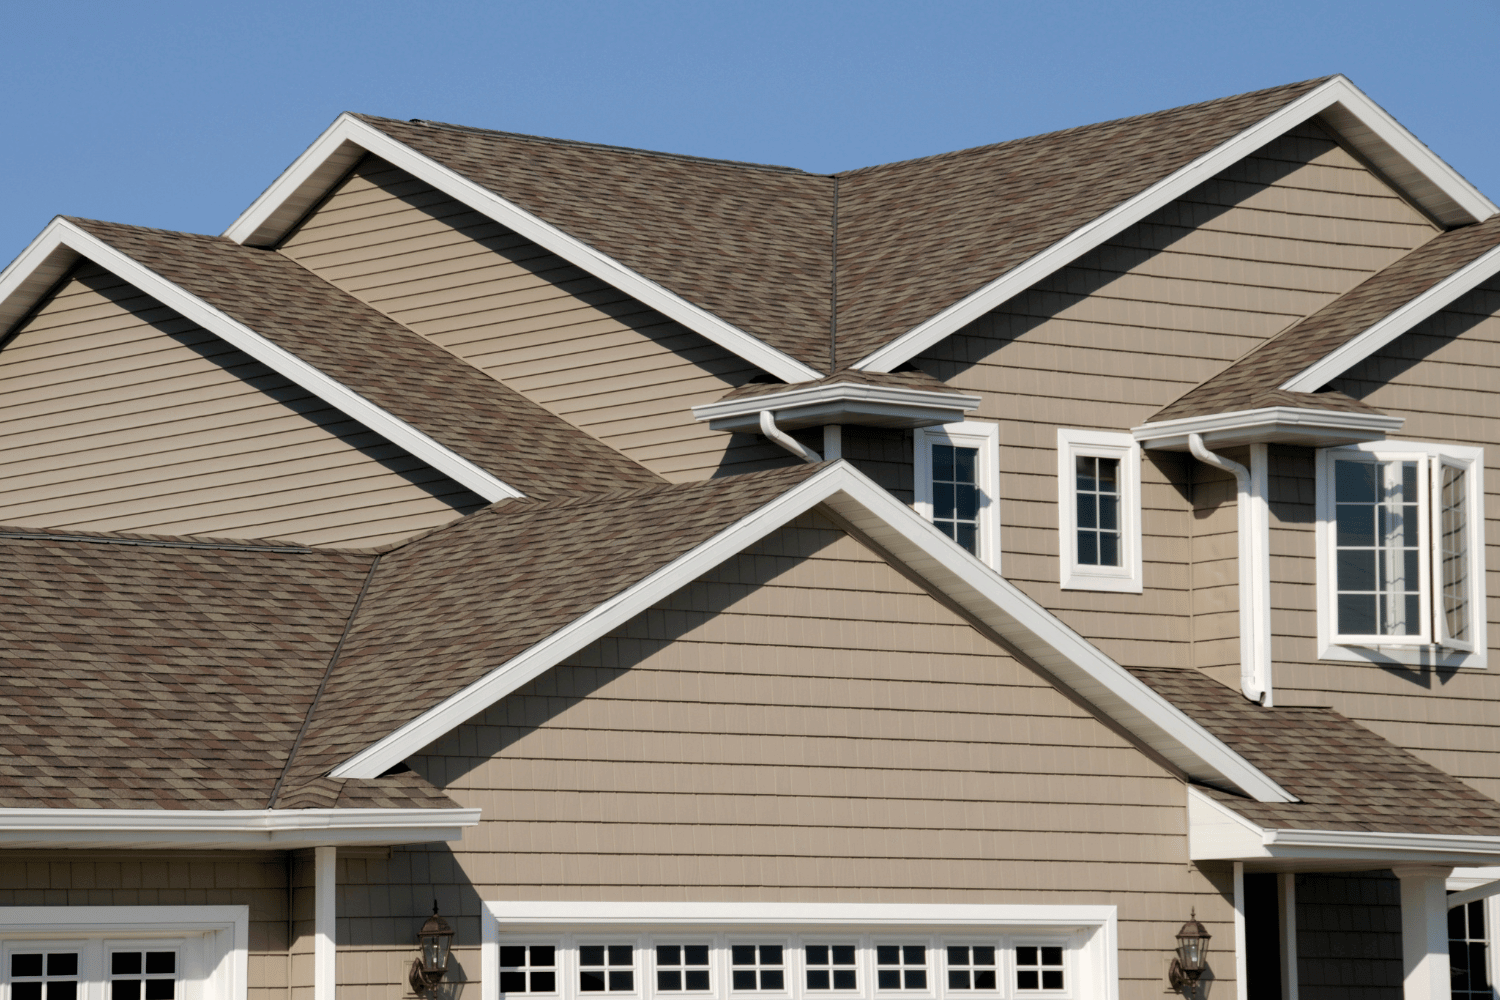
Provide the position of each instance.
(587, 352)
(118, 414)
(800, 702)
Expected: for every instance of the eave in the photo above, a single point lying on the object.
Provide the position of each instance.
(839, 403)
(242, 829)
(1308, 427)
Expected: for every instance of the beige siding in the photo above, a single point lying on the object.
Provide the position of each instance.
(150, 878)
(804, 724)
(119, 415)
(1108, 341)
(1442, 378)
(590, 354)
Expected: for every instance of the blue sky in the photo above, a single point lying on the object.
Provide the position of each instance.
(177, 114)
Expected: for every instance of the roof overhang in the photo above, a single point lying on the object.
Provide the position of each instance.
(839, 403)
(980, 591)
(62, 244)
(1269, 425)
(1218, 833)
(332, 154)
(1401, 157)
(235, 829)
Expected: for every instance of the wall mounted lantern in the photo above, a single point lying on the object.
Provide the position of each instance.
(1192, 953)
(434, 939)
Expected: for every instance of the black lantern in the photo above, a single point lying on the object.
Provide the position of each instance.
(1192, 954)
(435, 939)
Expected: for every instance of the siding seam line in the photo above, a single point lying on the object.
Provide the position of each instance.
(327, 672)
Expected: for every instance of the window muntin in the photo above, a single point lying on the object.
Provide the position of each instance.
(756, 967)
(606, 968)
(901, 966)
(957, 485)
(1040, 968)
(1099, 511)
(682, 968)
(1468, 952)
(149, 974)
(973, 967)
(831, 967)
(528, 968)
(45, 974)
(1401, 553)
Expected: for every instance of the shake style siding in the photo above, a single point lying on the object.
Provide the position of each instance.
(120, 415)
(1440, 376)
(1108, 341)
(587, 352)
(801, 724)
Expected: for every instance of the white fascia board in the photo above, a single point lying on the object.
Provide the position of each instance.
(928, 552)
(32, 274)
(1399, 321)
(275, 829)
(62, 240)
(1272, 425)
(890, 404)
(510, 913)
(1441, 191)
(311, 175)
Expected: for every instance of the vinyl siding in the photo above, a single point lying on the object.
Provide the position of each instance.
(1441, 377)
(119, 415)
(587, 352)
(803, 724)
(1105, 343)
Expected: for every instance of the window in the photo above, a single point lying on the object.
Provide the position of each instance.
(1400, 546)
(957, 484)
(1468, 958)
(124, 952)
(1099, 511)
(535, 948)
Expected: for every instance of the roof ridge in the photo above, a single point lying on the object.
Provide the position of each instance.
(554, 141)
(1083, 128)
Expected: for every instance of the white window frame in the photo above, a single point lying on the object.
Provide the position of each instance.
(1089, 935)
(970, 434)
(212, 943)
(1420, 650)
(1126, 578)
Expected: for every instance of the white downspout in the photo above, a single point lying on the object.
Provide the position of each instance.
(769, 429)
(1254, 564)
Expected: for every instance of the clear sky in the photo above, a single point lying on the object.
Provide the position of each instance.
(177, 114)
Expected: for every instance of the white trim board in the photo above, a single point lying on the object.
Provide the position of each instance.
(839, 403)
(272, 829)
(62, 243)
(1297, 425)
(908, 536)
(313, 173)
(1394, 324)
(1437, 187)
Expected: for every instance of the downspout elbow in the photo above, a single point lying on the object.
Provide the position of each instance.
(1202, 454)
(769, 429)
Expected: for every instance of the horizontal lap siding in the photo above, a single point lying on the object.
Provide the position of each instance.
(119, 415)
(1105, 343)
(1442, 378)
(803, 724)
(587, 352)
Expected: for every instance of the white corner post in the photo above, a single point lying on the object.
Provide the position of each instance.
(833, 442)
(1254, 513)
(325, 900)
(1424, 931)
(1241, 965)
(1286, 899)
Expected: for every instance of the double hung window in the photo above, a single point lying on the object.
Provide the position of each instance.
(1099, 511)
(957, 484)
(1401, 550)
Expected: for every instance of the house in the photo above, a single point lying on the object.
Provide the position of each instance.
(937, 580)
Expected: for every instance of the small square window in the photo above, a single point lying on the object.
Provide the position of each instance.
(831, 967)
(901, 966)
(528, 968)
(606, 968)
(757, 967)
(1039, 968)
(973, 967)
(682, 968)
(143, 975)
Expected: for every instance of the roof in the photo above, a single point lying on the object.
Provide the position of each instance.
(755, 245)
(1347, 777)
(474, 594)
(462, 408)
(144, 672)
(849, 376)
(1258, 374)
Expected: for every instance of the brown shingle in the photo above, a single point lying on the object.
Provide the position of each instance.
(1257, 374)
(457, 405)
(1345, 776)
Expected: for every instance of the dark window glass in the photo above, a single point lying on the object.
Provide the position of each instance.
(1097, 502)
(26, 991)
(955, 493)
(544, 982)
(125, 963)
(62, 963)
(62, 991)
(1377, 543)
(161, 962)
(1468, 952)
(512, 982)
(512, 956)
(619, 954)
(161, 989)
(125, 989)
(591, 982)
(25, 965)
(591, 954)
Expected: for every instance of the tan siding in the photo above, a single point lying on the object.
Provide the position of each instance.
(805, 724)
(119, 415)
(1106, 342)
(588, 353)
(1441, 377)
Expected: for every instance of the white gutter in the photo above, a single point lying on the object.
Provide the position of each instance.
(1254, 527)
(769, 429)
(1304, 426)
(840, 403)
